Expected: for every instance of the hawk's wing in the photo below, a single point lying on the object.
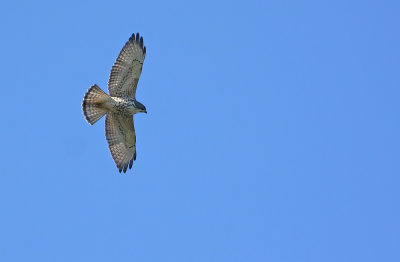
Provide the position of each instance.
(121, 137)
(126, 70)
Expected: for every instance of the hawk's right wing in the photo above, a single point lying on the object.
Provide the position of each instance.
(126, 70)
(121, 137)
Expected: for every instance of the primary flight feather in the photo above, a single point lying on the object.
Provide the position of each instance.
(121, 104)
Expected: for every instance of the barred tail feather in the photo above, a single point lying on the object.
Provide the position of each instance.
(92, 104)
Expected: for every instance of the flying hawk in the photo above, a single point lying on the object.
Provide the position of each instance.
(120, 106)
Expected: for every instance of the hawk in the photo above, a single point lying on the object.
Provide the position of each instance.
(120, 106)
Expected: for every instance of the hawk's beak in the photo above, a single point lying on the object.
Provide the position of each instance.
(145, 111)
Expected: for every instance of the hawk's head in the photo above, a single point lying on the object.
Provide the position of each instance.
(140, 107)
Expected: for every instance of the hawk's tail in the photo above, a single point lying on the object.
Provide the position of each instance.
(93, 102)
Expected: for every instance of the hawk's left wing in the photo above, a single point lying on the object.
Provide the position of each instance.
(121, 137)
(126, 70)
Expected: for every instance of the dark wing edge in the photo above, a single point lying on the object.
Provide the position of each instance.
(138, 40)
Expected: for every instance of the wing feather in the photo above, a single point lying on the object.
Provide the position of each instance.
(121, 137)
(127, 68)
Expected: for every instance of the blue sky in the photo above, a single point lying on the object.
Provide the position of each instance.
(272, 133)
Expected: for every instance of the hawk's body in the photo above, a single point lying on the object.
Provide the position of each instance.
(121, 104)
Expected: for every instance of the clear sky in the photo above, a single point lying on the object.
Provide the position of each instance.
(272, 132)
